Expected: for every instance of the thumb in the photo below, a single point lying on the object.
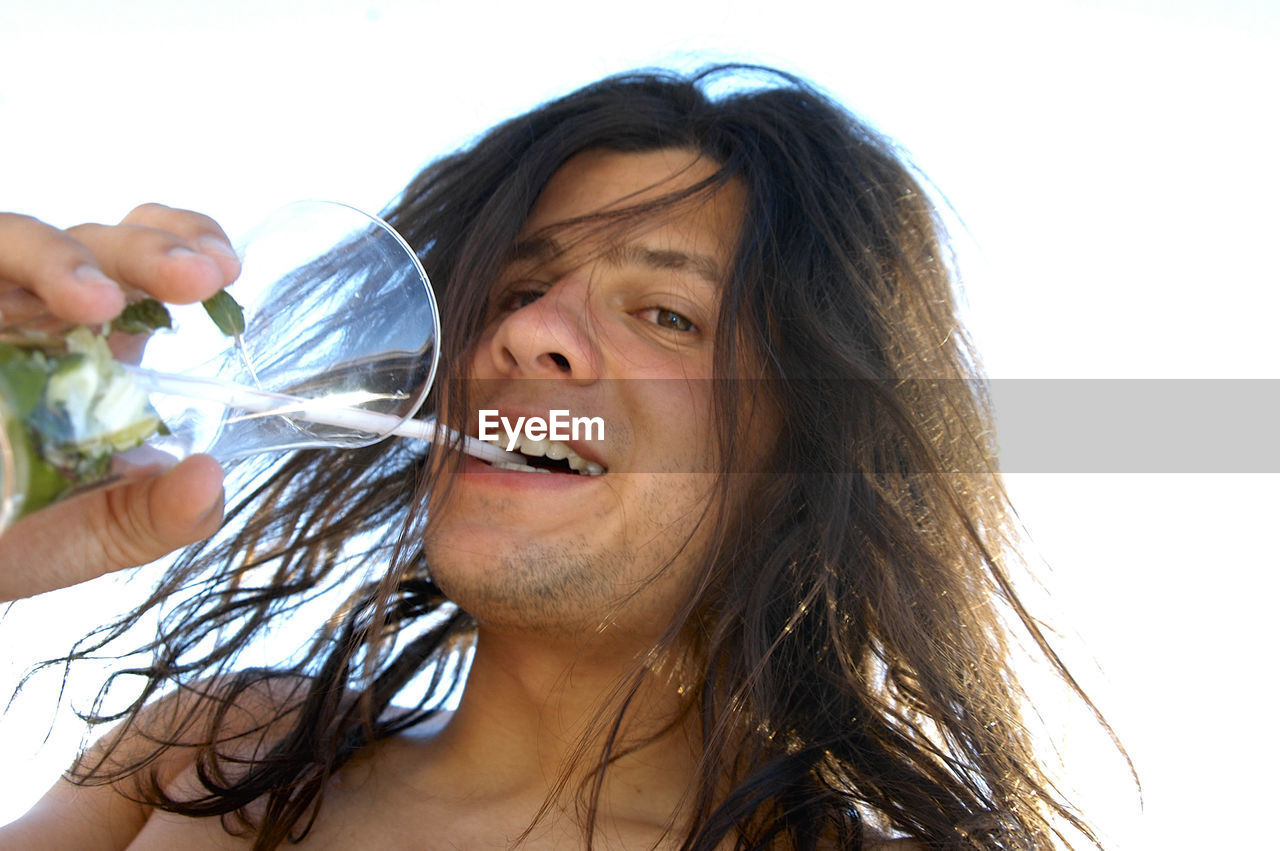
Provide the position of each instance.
(109, 529)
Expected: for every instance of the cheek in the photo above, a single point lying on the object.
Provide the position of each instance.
(478, 357)
(673, 427)
(680, 544)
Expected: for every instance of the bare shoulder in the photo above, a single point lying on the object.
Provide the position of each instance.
(99, 802)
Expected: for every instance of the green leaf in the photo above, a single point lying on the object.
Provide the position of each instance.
(68, 362)
(142, 317)
(44, 484)
(22, 382)
(226, 313)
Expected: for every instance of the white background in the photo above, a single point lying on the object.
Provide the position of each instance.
(1115, 165)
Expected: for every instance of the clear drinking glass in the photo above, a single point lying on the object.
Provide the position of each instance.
(338, 347)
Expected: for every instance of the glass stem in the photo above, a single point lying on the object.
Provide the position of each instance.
(335, 410)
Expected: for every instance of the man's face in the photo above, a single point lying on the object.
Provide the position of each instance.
(619, 325)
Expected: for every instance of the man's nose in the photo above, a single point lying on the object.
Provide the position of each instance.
(551, 337)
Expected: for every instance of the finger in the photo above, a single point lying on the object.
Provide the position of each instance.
(153, 261)
(48, 262)
(202, 233)
(19, 306)
(108, 530)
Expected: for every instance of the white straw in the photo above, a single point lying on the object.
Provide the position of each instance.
(323, 411)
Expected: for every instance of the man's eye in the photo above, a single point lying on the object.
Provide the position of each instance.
(674, 321)
(670, 319)
(519, 298)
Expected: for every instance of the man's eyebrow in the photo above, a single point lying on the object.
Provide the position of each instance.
(702, 265)
(536, 248)
(543, 249)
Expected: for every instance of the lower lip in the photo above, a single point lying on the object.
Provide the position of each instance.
(483, 473)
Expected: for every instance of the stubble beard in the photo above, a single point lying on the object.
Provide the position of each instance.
(555, 589)
(574, 585)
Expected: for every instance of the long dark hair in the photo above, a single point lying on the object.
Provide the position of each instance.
(852, 619)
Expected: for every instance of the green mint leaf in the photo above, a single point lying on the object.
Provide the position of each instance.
(68, 362)
(45, 484)
(226, 313)
(22, 382)
(142, 317)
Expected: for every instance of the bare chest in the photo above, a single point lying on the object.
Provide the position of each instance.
(373, 812)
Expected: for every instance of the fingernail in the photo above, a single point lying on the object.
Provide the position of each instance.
(213, 514)
(181, 252)
(91, 276)
(213, 245)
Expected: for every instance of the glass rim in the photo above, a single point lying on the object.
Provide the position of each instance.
(8, 468)
(425, 280)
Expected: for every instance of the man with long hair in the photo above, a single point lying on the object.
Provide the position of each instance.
(766, 608)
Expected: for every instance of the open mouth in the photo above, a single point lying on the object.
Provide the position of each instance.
(548, 456)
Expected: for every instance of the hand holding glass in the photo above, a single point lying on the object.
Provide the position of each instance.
(338, 347)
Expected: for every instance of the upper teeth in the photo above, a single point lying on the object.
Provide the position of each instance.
(556, 450)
